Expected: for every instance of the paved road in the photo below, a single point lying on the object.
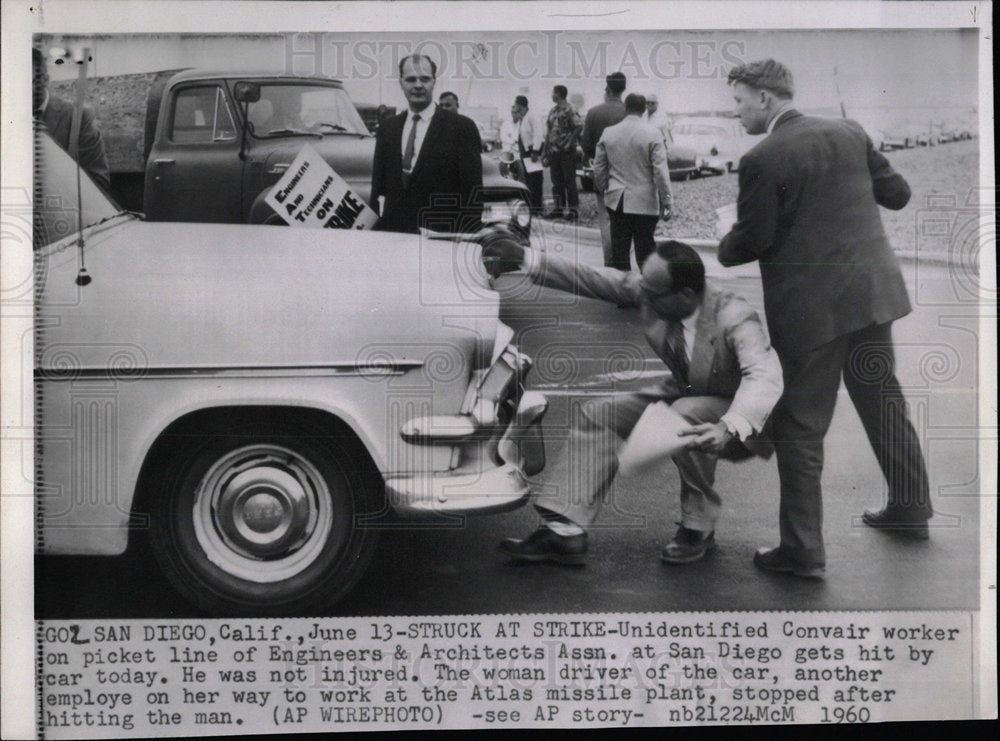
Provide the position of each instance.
(586, 347)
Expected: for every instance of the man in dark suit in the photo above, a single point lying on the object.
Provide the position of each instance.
(57, 115)
(725, 378)
(808, 212)
(428, 164)
(598, 118)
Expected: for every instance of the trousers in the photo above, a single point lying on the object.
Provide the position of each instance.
(625, 228)
(562, 168)
(800, 420)
(597, 427)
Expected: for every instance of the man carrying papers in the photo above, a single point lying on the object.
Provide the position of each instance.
(725, 378)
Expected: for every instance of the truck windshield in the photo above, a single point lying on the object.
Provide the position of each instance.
(289, 109)
(56, 194)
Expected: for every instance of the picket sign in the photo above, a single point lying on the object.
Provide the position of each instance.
(311, 194)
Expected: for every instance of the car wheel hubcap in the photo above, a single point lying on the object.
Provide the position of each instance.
(262, 513)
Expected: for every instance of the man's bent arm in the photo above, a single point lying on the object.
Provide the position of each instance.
(757, 209)
(761, 384)
(891, 188)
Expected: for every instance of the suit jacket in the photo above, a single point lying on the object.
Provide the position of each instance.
(730, 357)
(444, 191)
(808, 211)
(631, 163)
(597, 120)
(58, 119)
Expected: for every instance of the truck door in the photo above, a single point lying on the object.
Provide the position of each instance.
(194, 172)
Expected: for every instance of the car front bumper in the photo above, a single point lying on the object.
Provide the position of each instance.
(492, 479)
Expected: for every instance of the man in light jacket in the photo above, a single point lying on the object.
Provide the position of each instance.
(630, 169)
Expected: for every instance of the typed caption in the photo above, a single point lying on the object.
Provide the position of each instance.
(164, 678)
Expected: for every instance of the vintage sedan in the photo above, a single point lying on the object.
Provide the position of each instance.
(257, 399)
(718, 142)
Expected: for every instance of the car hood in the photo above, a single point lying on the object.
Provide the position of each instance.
(230, 296)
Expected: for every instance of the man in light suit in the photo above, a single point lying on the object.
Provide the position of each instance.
(808, 212)
(428, 161)
(724, 380)
(630, 169)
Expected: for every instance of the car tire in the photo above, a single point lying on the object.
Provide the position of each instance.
(264, 519)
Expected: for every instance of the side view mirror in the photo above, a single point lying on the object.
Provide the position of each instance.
(246, 92)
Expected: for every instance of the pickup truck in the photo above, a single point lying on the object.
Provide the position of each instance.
(208, 157)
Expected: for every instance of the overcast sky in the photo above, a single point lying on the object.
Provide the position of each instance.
(900, 69)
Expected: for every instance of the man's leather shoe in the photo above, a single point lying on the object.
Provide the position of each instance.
(886, 519)
(546, 545)
(772, 559)
(688, 546)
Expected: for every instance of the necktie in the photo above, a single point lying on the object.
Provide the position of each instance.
(678, 350)
(410, 142)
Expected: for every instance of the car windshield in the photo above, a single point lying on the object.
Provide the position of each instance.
(56, 194)
(285, 109)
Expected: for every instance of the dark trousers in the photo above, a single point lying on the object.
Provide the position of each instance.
(534, 181)
(802, 416)
(624, 229)
(562, 167)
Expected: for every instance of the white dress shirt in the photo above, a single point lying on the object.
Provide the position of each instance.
(422, 124)
(779, 114)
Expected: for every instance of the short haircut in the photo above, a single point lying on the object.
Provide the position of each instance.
(765, 74)
(521, 100)
(560, 90)
(448, 94)
(686, 268)
(635, 103)
(414, 57)
(616, 82)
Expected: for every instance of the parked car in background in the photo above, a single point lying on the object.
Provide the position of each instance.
(718, 142)
(898, 135)
(490, 136)
(248, 399)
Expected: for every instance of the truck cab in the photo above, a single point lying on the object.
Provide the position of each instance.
(212, 158)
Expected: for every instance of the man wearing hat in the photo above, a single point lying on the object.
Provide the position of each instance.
(724, 379)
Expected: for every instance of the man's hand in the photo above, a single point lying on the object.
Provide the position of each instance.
(534, 156)
(708, 437)
(501, 251)
(667, 214)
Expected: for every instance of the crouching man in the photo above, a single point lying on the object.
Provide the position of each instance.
(725, 379)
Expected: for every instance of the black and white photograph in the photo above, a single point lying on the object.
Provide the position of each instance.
(497, 365)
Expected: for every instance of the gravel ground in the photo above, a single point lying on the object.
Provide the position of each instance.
(941, 177)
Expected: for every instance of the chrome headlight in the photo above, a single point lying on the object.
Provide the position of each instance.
(513, 212)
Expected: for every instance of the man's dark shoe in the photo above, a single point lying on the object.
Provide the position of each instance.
(887, 519)
(688, 546)
(546, 545)
(772, 559)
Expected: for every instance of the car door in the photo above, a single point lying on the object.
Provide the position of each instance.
(194, 171)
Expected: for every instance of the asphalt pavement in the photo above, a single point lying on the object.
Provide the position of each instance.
(583, 347)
